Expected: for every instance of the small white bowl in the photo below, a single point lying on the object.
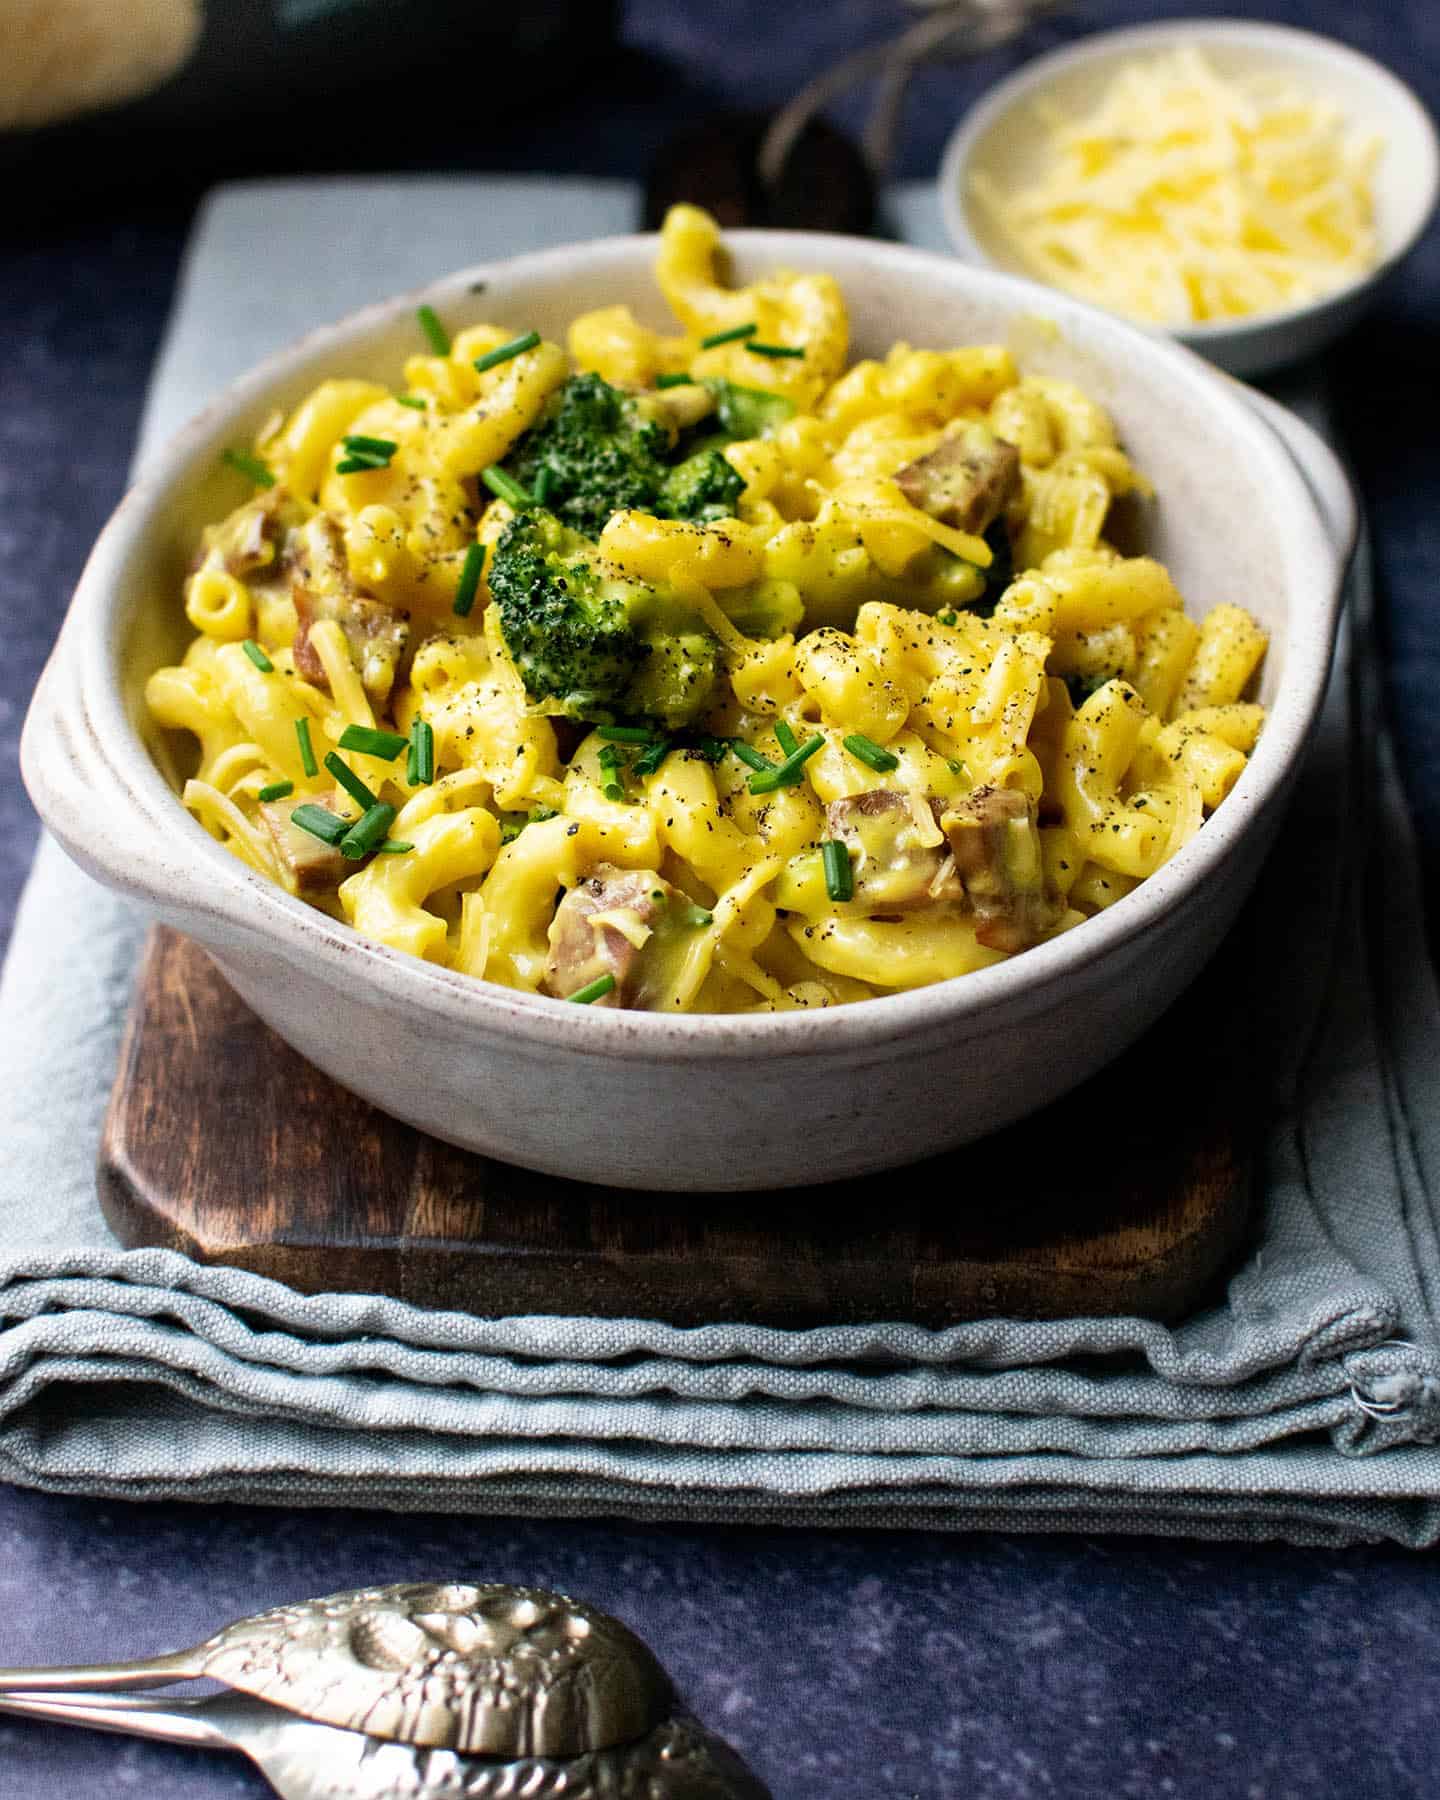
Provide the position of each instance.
(998, 138)
(1251, 502)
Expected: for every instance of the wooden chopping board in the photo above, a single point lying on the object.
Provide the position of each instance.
(1131, 1195)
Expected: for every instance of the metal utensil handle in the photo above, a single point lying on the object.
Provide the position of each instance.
(103, 1678)
(165, 1721)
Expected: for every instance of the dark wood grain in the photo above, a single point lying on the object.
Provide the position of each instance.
(1131, 1195)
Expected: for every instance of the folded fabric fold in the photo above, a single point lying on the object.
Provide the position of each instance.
(1300, 1406)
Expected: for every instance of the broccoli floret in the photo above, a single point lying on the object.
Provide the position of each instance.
(702, 488)
(602, 450)
(745, 412)
(589, 642)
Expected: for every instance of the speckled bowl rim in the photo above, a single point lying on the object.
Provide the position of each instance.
(1032, 77)
(1024, 984)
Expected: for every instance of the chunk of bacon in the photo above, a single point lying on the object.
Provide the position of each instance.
(995, 843)
(898, 860)
(311, 867)
(967, 480)
(324, 588)
(600, 928)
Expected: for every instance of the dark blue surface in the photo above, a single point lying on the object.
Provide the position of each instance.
(846, 1666)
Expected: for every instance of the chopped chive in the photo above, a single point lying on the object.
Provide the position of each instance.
(866, 750)
(955, 767)
(420, 769)
(367, 832)
(789, 771)
(610, 756)
(544, 483)
(350, 781)
(249, 466)
(613, 791)
(594, 990)
(774, 350)
(786, 738)
(385, 447)
(415, 401)
(694, 916)
(257, 656)
(387, 745)
(503, 352)
(752, 757)
(430, 324)
(948, 617)
(712, 749)
(393, 847)
(625, 734)
(839, 876)
(276, 790)
(360, 465)
(506, 487)
(326, 826)
(650, 759)
(669, 381)
(732, 336)
(470, 571)
(307, 753)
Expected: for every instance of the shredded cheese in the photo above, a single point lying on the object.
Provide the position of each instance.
(1185, 196)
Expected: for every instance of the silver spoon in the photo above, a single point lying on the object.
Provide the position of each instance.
(303, 1760)
(479, 1668)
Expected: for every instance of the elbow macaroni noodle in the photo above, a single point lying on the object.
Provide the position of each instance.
(1028, 757)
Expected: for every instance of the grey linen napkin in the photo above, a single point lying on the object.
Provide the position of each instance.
(1302, 1407)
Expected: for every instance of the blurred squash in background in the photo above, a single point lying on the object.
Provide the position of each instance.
(95, 93)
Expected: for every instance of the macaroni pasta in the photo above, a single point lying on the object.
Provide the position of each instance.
(701, 672)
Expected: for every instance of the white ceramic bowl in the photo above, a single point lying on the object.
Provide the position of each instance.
(998, 138)
(717, 1102)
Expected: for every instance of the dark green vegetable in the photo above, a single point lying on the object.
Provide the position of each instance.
(420, 764)
(276, 790)
(249, 466)
(593, 990)
(746, 412)
(470, 571)
(320, 823)
(503, 352)
(430, 324)
(839, 875)
(789, 771)
(257, 656)
(505, 487)
(752, 758)
(774, 350)
(307, 753)
(350, 781)
(703, 488)
(387, 745)
(733, 336)
(606, 451)
(368, 832)
(871, 753)
(625, 734)
(589, 642)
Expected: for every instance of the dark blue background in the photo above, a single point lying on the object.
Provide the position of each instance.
(842, 1664)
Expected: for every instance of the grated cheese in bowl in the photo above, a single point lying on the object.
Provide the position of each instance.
(1185, 196)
